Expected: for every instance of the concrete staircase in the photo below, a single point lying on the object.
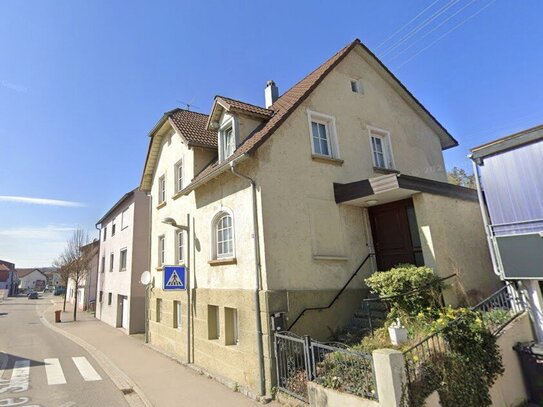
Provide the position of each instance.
(359, 326)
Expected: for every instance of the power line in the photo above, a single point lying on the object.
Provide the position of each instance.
(446, 33)
(433, 29)
(420, 26)
(405, 25)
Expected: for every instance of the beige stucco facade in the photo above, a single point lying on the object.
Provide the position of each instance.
(308, 244)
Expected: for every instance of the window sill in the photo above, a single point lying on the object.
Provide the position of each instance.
(333, 258)
(326, 159)
(385, 170)
(223, 262)
(178, 194)
(160, 268)
(161, 205)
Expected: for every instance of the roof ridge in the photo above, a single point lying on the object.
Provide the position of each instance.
(184, 110)
(351, 44)
(241, 101)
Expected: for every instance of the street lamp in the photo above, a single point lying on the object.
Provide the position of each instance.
(186, 228)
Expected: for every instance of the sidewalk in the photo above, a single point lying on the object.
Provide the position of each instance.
(164, 381)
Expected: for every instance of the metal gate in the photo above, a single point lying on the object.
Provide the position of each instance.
(301, 360)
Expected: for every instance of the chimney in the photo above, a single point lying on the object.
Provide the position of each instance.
(271, 93)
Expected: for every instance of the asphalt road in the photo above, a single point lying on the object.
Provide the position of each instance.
(39, 367)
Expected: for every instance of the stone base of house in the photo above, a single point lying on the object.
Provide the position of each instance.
(217, 351)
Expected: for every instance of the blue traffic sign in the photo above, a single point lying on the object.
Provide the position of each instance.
(174, 278)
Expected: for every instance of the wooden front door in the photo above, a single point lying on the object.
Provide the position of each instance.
(395, 234)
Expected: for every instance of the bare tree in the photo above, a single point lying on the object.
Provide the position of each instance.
(64, 272)
(77, 259)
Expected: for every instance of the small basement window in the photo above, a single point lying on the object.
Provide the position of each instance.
(231, 326)
(213, 328)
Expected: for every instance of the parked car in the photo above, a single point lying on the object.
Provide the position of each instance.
(59, 291)
(33, 295)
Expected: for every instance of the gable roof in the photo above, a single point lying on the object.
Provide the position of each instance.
(125, 197)
(234, 105)
(285, 105)
(191, 126)
(3, 267)
(26, 271)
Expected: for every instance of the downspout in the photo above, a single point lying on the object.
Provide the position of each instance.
(258, 283)
(148, 286)
(486, 219)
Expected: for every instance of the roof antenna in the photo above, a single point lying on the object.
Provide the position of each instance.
(188, 104)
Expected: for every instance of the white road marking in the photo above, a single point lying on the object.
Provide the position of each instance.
(86, 369)
(54, 372)
(19, 376)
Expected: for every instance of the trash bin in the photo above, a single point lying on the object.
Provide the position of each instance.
(57, 316)
(531, 359)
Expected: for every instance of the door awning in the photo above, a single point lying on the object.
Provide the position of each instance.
(392, 187)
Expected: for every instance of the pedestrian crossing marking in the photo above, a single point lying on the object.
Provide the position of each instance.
(174, 280)
(20, 375)
(85, 369)
(54, 372)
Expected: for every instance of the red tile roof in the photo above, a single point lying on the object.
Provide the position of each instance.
(245, 107)
(192, 126)
(3, 267)
(282, 108)
(24, 272)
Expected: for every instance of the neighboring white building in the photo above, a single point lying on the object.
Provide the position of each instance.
(124, 255)
(31, 279)
(86, 297)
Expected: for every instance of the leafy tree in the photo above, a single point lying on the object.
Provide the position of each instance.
(459, 176)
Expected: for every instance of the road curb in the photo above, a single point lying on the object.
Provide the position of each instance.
(133, 395)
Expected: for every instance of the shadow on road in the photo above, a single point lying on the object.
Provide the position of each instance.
(7, 361)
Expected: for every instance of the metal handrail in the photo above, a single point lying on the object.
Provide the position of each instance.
(337, 295)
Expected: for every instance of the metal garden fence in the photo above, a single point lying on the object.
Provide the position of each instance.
(301, 359)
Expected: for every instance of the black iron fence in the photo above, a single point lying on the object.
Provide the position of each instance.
(301, 359)
(496, 311)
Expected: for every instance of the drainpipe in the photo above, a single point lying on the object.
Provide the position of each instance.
(486, 220)
(258, 283)
(149, 286)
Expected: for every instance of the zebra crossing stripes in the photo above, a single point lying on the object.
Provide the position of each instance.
(20, 375)
(85, 368)
(54, 372)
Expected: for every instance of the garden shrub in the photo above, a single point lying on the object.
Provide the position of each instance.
(404, 278)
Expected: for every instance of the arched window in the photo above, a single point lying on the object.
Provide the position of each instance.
(223, 236)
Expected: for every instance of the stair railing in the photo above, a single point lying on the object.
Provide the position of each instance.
(337, 295)
(390, 298)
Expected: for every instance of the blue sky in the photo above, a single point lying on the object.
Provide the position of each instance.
(82, 82)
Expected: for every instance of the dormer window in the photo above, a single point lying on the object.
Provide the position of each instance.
(227, 141)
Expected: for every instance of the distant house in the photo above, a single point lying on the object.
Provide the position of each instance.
(8, 279)
(124, 255)
(31, 279)
(509, 174)
(53, 277)
(86, 296)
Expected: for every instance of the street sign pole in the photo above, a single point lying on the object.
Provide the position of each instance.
(187, 283)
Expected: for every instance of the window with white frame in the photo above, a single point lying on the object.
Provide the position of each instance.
(124, 219)
(323, 135)
(161, 250)
(224, 236)
(122, 259)
(178, 176)
(380, 149)
(227, 141)
(161, 189)
(180, 247)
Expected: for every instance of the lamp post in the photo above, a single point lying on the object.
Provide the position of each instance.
(186, 228)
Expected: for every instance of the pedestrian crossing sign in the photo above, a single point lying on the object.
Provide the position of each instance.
(174, 278)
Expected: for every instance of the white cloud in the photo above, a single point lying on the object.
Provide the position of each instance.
(40, 201)
(31, 246)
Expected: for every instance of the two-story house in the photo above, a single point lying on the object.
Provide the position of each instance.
(31, 279)
(283, 203)
(85, 287)
(124, 256)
